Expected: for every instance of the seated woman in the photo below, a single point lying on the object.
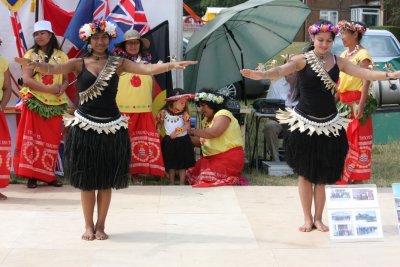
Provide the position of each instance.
(220, 141)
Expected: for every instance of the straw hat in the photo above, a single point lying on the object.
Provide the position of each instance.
(177, 97)
(134, 35)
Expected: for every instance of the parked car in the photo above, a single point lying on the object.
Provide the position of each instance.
(381, 44)
(383, 47)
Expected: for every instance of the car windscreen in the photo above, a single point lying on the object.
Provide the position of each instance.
(377, 46)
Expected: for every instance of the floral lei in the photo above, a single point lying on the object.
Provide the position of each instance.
(317, 28)
(203, 96)
(345, 25)
(89, 29)
(119, 52)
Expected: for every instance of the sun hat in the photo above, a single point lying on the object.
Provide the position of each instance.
(134, 35)
(42, 25)
(177, 97)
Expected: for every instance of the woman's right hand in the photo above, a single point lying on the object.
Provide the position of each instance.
(25, 62)
(252, 74)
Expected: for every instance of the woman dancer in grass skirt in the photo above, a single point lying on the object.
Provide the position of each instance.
(98, 151)
(317, 143)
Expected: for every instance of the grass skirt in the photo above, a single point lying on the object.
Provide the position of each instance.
(96, 161)
(318, 158)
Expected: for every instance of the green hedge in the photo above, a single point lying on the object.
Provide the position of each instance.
(393, 29)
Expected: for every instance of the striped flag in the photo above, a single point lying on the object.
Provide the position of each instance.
(19, 35)
(129, 14)
(86, 12)
(102, 9)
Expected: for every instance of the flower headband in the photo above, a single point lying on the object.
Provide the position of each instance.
(345, 25)
(89, 29)
(203, 96)
(317, 28)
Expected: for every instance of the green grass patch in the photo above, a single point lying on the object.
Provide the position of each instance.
(385, 171)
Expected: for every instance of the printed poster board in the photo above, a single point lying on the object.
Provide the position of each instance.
(396, 194)
(353, 212)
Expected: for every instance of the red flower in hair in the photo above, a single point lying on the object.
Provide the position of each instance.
(136, 81)
(47, 79)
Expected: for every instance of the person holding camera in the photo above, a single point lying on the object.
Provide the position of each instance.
(284, 89)
(220, 141)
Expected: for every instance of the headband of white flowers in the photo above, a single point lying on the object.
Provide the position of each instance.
(203, 96)
(89, 29)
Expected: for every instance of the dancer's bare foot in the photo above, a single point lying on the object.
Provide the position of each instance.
(306, 227)
(320, 226)
(3, 197)
(100, 234)
(88, 235)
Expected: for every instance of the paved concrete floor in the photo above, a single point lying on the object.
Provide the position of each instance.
(179, 226)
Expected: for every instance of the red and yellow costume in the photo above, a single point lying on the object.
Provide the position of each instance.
(40, 127)
(134, 99)
(358, 159)
(223, 157)
(5, 139)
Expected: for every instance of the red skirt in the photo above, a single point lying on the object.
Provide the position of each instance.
(5, 152)
(145, 143)
(36, 146)
(358, 159)
(218, 170)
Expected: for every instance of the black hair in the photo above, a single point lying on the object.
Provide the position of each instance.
(214, 106)
(359, 34)
(53, 44)
(123, 46)
(89, 53)
(310, 46)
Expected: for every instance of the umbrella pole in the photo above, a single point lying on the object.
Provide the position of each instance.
(243, 79)
(241, 59)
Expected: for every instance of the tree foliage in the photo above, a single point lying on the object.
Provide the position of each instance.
(393, 6)
(220, 3)
(200, 6)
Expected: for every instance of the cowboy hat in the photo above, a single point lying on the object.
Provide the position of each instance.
(134, 35)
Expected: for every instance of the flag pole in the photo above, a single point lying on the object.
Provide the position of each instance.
(37, 10)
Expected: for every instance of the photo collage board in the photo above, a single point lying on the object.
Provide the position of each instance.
(353, 212)
(396, 194)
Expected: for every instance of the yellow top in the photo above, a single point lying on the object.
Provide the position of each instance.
(57, 57)
(135, 93)
(3, 67)
(350, 83)
(230, 138)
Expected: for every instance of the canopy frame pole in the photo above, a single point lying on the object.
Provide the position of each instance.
(241, 59)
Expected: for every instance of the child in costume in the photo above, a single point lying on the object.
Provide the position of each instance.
(176, 146)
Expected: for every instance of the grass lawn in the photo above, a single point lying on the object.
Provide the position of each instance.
(385, 171)
(385, 158)
(295, 48)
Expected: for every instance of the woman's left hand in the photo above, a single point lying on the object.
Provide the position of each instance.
(359, 112)
(394, 75)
